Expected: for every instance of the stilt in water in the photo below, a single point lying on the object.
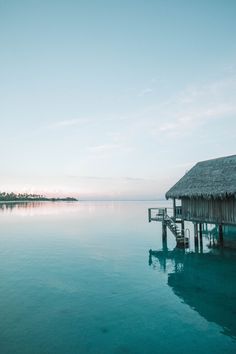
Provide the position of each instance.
(221, 239)
(149, 215)
(182, 228)
(200, 237)
(150, 257)
(164, 244)
(196, 237)
(164, 231)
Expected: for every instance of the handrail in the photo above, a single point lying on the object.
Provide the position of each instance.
(168, 208)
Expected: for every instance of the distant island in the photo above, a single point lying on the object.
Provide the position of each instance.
(25, 197)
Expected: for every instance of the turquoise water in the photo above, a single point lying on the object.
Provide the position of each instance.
(77, 278)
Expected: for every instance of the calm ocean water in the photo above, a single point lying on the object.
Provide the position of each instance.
(77, 278)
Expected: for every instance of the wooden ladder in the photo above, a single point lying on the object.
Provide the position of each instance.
(173, 227)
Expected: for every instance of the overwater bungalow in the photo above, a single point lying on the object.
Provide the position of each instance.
(204, 195)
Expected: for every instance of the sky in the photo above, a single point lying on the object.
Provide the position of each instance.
(109, 99)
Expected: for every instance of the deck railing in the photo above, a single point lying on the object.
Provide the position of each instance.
(159, 214)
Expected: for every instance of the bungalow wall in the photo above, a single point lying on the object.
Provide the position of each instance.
(209, 210)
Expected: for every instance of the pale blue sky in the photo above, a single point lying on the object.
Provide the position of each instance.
(114, 99)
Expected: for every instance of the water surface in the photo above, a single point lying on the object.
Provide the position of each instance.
(77, 278)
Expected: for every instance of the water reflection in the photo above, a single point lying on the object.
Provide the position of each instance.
(20, 205)
(204, 281)
(62, 207)
(36, 208)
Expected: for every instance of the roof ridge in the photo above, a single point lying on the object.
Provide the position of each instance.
(216, 158)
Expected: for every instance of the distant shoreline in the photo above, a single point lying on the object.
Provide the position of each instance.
(26, 197)
(84, 200)
(39, 200)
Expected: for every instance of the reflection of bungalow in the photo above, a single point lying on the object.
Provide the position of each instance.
(208, 287)
(207, 193)
(205, 282)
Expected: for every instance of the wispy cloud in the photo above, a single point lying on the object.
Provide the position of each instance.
(105, 151)
(181, 115)
(69, 122)
(194, 107)
(104, 147)
(145, 92)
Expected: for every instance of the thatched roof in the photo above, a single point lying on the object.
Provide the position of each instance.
(208, 179)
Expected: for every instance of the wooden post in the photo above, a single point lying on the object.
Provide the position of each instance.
(164, 244)
(174, 208)
(182, 228)
(164, 231)
(200, 231)
(221, 240)
(195, 231)
(150, 258)
(200, 237)
(196, 237)
(149, 215)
